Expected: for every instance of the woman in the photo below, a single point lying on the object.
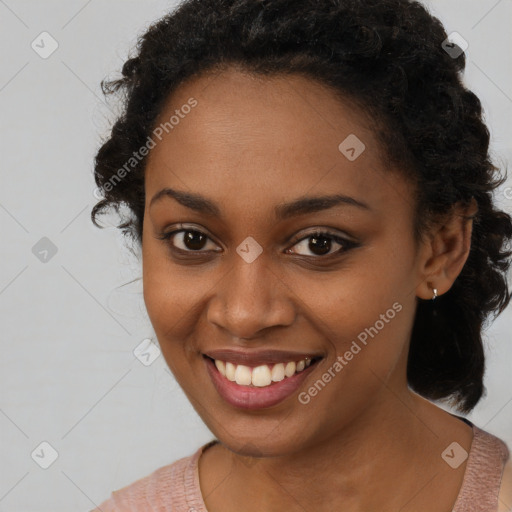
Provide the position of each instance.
(310, 185)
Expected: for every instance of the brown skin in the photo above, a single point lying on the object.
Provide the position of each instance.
(365, 442)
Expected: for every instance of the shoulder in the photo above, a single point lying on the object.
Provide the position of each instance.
(505, 496)
(163, 488)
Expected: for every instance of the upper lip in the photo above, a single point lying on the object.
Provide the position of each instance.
(258, 357)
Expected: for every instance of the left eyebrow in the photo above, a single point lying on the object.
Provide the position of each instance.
(314, 204)
(300, 206)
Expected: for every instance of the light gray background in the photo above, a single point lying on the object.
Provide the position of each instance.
(68, 372)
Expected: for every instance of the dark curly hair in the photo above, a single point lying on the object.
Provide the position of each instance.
(387, 57)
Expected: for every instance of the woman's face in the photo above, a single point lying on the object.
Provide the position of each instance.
(248, 282)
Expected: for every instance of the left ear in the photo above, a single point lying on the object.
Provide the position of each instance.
(445, 251)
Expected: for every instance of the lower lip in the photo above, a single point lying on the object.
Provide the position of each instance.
(250, 397)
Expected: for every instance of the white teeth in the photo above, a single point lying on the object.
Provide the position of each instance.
(220, 366)
(230, 371)
(243, 375)
(278, 372)
(261, 376)
(290, 368)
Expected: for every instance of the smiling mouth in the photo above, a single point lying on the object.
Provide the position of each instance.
(264, 375)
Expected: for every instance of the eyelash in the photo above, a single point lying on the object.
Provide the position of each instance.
(346, 244)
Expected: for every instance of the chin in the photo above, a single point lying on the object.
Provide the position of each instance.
(262, 437)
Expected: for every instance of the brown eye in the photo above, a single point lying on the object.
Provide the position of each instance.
(187, 240)
(321, 243)
(194, 240)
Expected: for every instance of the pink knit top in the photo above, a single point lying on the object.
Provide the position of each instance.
(175, 487)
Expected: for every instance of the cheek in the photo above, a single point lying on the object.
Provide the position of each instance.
(376, 344)
(370, 331)
(167, 309)
(366, 352)
(169, 303)
(163, 291)
(174, 299)
(365, 316)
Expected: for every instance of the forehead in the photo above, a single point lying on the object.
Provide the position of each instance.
(253, 140)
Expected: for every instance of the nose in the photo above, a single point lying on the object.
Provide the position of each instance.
(250, 299)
